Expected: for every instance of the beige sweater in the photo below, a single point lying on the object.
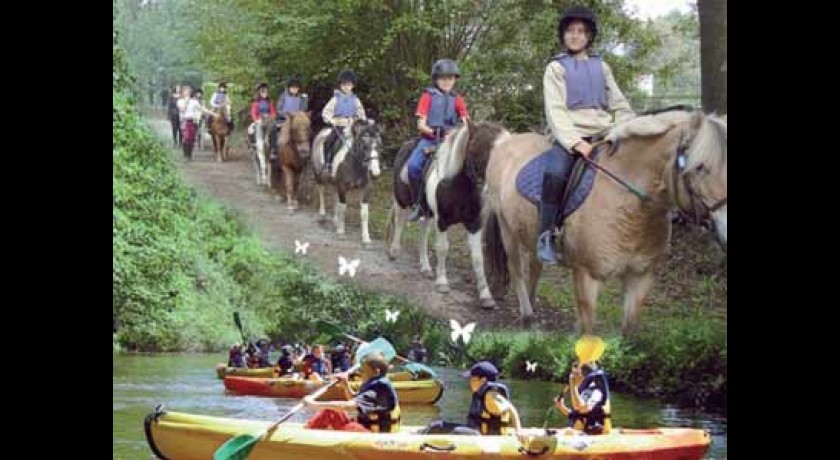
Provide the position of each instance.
(568, 127)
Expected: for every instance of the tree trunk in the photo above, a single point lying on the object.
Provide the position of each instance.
(712, 15)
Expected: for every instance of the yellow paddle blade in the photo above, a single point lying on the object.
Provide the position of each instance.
(589, 348)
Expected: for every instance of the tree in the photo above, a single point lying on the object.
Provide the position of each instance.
(713, 54)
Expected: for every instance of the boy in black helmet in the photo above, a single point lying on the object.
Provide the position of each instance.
(340, 112)
(438, 111)
(581, 98)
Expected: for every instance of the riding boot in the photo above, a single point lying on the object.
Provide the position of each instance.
(272, 142)
(420, 208)
(552, 191)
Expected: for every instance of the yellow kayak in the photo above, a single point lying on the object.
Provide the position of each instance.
(409, 392)
(180, 436)
(222, 370)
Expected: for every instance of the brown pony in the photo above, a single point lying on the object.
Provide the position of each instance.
(219, 131)
(677, 159)
(294, 145)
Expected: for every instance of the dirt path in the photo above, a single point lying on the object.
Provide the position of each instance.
(234, 184)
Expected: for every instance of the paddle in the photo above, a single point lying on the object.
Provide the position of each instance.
(238, 321)
(331, 329)
(410, 365)
(589, 348)
(239, 447)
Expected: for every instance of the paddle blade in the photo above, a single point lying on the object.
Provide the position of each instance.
(418, 368)
(589, 348)
(237, 448)
(237, 320)
(379, 345)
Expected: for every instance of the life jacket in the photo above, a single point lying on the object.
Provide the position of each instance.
(388, 419)
(586, 85)
(340, 361)
(345, 105)
(317, 365)
(598, 420)
(480, 418)
(289, 103)
(286, 365)
(262, 354)
(235, 359)
(441, 109)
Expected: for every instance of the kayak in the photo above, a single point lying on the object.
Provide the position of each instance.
(409, 392)
(223, 370)
(182, 436)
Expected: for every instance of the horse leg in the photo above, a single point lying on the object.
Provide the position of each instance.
(425, 266)
(636, 287)
(215, 146)
(516, 268)
(321, 209)
(441, 250)
(288, 179)
(340, 210)
(398, 215)
(534, 270)
(477, 258)
(364, 215)
(586, 295)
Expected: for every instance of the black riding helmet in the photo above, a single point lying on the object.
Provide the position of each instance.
(580, 13)
(293, 81)
(445, 67)
(346, 75)
(262, 85)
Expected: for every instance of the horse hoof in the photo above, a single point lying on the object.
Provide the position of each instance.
(488, 304)
(367, 245)
(442, 288)
(393, 253)
(428, 274)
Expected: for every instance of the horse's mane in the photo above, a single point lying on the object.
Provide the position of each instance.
(452, 152)
(647, 125)
(709, 145)
(286, 129)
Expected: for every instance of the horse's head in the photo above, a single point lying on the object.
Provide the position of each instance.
(367, 145)
(692, 147)
(300, 131)
(700, 162)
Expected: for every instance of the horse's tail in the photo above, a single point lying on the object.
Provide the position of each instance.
(495, 257)
(389, 222)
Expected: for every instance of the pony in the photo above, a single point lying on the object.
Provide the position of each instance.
(355, 166)
(219, 132)
(294, 147)
(454, 182)
(259, 150)
(617, 224)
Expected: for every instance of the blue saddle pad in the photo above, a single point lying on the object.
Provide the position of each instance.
(529, 181)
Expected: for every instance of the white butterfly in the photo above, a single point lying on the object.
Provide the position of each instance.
(300, 248)
(530, 367)
(347, 267)
(391, 316)
(465, 332)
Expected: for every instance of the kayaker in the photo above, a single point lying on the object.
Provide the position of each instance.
(263, 346)
(418, 351)
(377, 402)
(235, 358)
(340, 358)
(285, 365)
(590, 397)
(491, 412)
(315, 366)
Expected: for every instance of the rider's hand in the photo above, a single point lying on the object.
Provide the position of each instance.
(583, 147)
